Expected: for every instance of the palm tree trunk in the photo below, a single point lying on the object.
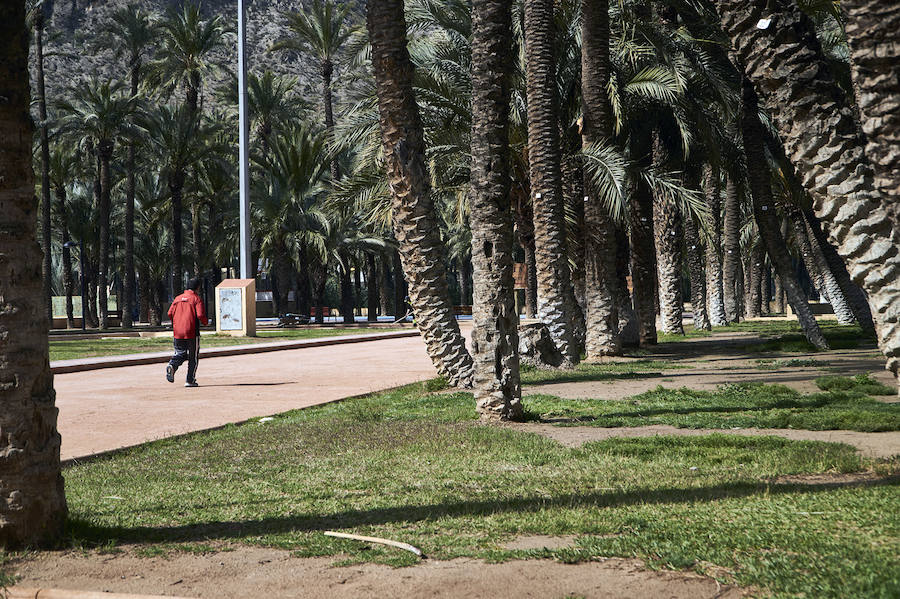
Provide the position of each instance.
(197, 239)
(643, 252)
(346, 288)
(371, 288)
(34, 507)
(384, 295)
(732, 255)
(303, 281)
(753, 278)
(556, 297)
(176, 188)
(104, 149)
(858, 301)
(130, 188)
(715, 297)
(759, 178)
(698, 277)
(817, 267)
(414, 217)
(47, 263)
(356, 299)
(873, 32)
(667, 236)
(765, 289)
(821, 136)
(779, 295)
(319, 274)
(629, 329)
(400, 286)
(327, 72)
(68, 279)
(600, 281)
(495, 336)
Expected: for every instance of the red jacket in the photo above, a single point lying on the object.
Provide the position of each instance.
(185, 311)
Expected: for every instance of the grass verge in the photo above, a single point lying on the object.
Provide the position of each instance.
(741, 405)
(415, 466)
(61, 349)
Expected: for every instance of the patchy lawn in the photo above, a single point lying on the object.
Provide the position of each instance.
(414, 465)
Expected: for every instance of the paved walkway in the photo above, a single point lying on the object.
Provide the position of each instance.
(108, 409)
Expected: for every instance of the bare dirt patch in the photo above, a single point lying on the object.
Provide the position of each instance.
(540, 542)
(255, 572)
(879, 445)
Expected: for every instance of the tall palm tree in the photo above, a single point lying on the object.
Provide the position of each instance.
(37, 16)
(556, 297)
(178, 140)
(766, 220)
(183, 58)
(731, 258)
(714, 288)
(821, 137)
(100, 111)
(495, 337)
(321, 30)
(414, 217)
(130, 32)
(34, 510)
(873, 32)
(601, 283)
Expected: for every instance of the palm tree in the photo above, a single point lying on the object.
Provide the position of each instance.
(766, 219)
(714, 287)
(322, 31)
(35, 507)
(821, 137)
(130, 32)
(287, 204)
(556, 297)
(414, 217)
(184, 56)
(601, 283)
(178, 141)
(101, 112)
(495, 338)
(872, 28)
(64, 165)
(37, 16)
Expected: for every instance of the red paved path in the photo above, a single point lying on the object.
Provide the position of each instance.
(119, 407)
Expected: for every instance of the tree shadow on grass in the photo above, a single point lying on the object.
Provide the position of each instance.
(205, 531)
(554, 377)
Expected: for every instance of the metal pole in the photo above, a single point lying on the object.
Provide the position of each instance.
(244, 156)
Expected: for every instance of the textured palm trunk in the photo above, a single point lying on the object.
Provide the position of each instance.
(753, 280)
(68, 279)
(601, 293)
(731, 257)
(400, 285)
(765, 290)
(371, 288)
(47, 263)
(823, 140)
(698, 277)
(779, 296)
(759, 178)
(857, 300)
(32, 499)
(818, 269)
(556, 297)
(495, 336)
(667, 237)
(319, 274)
(104, 150)
(197, 239)
(643, 251)
(130, 188)
(176, 189)
(327, 102)
(715, 296)
(873, 32)
(346, 289)
(384, 286)
(415, 220)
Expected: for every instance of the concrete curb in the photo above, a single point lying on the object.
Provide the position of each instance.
(82, 365)
(29, 593)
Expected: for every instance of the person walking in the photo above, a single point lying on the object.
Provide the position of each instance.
(187, 313)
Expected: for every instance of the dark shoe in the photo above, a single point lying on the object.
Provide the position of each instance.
(191, 384)
(170, 373)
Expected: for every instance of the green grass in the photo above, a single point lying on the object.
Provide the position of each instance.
(61, 349)
(772, 364)
(590, 371)
(416, 467)
(861, 383)
(741, 405)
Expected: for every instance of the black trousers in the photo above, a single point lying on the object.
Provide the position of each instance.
(187, 350)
